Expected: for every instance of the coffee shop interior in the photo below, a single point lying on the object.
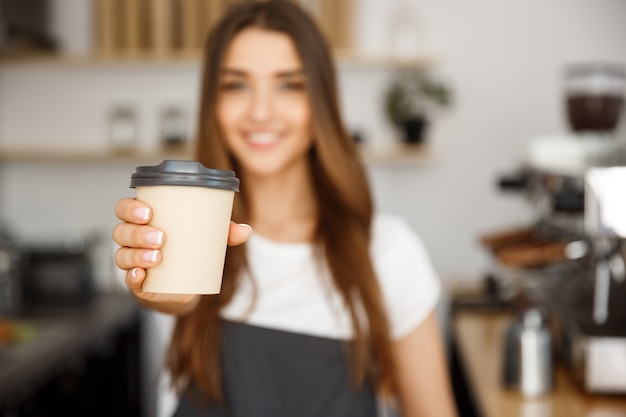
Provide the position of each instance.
(511, 176)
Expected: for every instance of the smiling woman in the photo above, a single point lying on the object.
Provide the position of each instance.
(328, 307)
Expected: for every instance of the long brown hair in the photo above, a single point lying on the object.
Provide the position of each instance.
(342, 191)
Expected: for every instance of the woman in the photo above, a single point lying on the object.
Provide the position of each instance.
(327, 307)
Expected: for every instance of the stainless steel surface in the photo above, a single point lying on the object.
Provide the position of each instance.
(605, 223)
(617, 267)
(601, 292)
(528, 355)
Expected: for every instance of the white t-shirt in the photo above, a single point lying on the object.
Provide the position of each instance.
(295, 293)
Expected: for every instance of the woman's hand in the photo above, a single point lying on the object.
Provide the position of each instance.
(140, 249)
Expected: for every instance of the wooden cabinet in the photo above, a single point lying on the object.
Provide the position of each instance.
(164, 27)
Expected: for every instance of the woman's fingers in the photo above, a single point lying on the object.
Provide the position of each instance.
(140, 243)
(135, 278)
(138, 236)
(129, 258)
(238, 233)
(135, 236)
(180, 303)
(133, 211)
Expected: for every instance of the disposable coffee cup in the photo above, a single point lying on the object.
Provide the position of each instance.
(192, 205)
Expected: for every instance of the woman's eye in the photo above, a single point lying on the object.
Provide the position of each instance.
(233, 86)
(292, 86)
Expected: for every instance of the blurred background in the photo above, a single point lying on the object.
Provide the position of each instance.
(90, 89)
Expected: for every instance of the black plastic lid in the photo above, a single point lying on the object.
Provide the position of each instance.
(184, 173)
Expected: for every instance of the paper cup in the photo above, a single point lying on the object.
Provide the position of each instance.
(192, 205)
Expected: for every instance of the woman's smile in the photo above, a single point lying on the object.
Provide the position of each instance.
(262, 139)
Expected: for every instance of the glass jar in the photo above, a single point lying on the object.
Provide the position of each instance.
(595, 97)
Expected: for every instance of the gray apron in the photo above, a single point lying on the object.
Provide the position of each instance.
(274, 373)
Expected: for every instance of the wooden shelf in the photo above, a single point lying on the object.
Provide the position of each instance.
(400, 154)
(364, 60)
(351, 59)
(99, 60)
(95, 156)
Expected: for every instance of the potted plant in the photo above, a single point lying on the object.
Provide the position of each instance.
(412, 100)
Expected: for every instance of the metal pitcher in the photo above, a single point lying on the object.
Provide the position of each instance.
(527, 364)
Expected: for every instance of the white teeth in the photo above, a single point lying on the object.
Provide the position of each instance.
(262, 138)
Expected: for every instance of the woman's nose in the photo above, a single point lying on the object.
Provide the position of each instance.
(261, 107)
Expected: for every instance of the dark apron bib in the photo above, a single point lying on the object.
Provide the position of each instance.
(273, 373)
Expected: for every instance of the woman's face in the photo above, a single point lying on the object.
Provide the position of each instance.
(263, 106)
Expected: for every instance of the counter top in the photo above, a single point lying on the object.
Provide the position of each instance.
(478, 337)
(60, 334)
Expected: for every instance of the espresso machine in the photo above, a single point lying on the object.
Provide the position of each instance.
(571, 259)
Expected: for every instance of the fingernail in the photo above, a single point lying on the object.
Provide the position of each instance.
(142, 213)
(250, 231)
(155, 237)
(133, 273)
(151, 255)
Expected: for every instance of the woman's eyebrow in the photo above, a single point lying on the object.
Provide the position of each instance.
(281, 74)
(231, 71)
(291, 73)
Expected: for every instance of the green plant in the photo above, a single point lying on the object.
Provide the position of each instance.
(415, 95)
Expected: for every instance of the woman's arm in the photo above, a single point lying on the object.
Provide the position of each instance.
(422, 370)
